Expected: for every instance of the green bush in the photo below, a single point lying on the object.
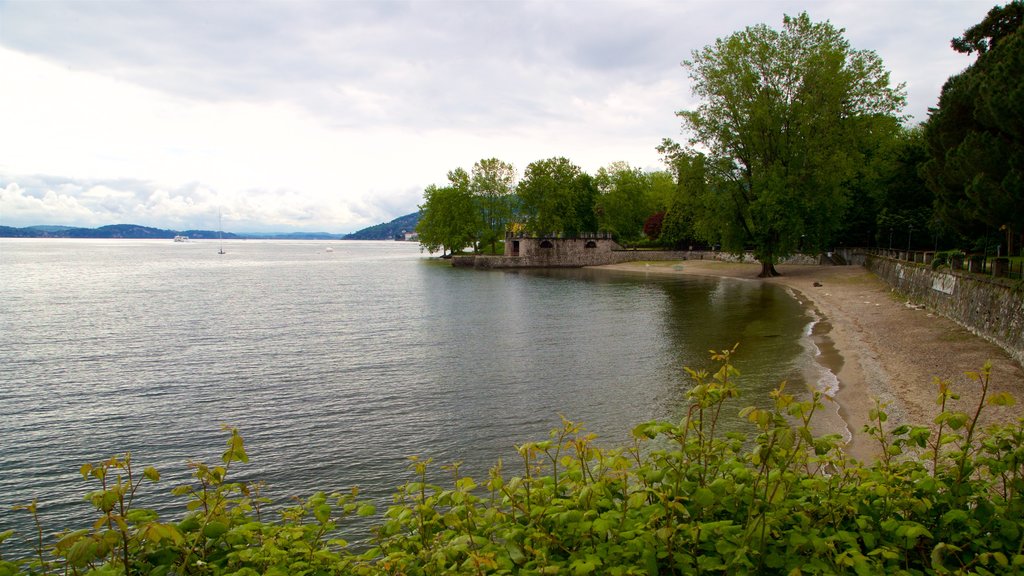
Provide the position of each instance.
(684, 498)
(946, 258)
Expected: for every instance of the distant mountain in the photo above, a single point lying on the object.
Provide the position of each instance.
(395, 229)
(50, 228)
(130, 231)
(294, 236)
(133, 231)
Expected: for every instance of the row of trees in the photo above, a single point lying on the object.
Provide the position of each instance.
(554, 196)
(798, 145)
(975, 137)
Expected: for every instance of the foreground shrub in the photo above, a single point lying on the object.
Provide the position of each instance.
(684, 498)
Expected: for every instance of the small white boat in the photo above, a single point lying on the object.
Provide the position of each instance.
(220, 232)
(181, 238)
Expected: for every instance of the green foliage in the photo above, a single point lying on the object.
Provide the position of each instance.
(493, 184)
(787, 118)
(945, 258)
(625, 200)
(688, 170)
(557, 197)
(683, 498)
(975, 136)
(449, 220)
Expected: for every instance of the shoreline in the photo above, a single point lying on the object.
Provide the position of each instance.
(876, 345)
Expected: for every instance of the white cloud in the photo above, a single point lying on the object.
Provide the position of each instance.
(15, 200)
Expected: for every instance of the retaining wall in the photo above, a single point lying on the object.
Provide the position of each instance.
(556, 258)
(572, 258)
(992, 308)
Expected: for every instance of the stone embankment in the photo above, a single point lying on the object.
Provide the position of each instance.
(992, 308)
(614, 257)
(573, 260)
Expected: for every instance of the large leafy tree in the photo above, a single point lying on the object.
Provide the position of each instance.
(625, 200)
(975, 136)
(785, 120)
(556, 196)
(449, 219)
(687, 171)
(493, 183)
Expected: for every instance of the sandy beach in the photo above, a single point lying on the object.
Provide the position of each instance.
(878, 346)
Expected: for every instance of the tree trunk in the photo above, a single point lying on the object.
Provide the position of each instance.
(768, 269)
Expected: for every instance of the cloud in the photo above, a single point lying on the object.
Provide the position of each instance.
(335, 115)
(89, 203)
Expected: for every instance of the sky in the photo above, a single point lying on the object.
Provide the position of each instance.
(306, 115)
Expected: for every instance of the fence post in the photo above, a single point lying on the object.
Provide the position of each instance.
(1001, 267)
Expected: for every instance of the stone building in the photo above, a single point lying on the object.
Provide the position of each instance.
(549, 251)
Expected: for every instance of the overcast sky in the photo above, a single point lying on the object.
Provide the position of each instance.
(334, 115)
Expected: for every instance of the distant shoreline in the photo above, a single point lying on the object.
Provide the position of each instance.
(876, 345)
(135, 232)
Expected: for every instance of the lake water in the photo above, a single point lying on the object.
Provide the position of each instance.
(337, 365)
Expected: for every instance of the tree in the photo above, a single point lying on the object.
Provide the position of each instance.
(556, 197)
(975, 136)
(785, 120)
(624, 200)
(492, 184)
(900, 202)
(653, 224)
(663, 189)
(690, 178)
(448, 217)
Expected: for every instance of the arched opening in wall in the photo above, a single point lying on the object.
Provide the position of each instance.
(546, 244)
(590, 244)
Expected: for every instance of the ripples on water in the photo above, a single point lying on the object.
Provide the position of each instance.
(338, 365)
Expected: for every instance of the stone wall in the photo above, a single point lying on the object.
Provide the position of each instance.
(573, 253)
(992, 308)
(854, 256)
(567, 257)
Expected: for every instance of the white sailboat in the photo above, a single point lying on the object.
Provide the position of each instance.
(220, 232)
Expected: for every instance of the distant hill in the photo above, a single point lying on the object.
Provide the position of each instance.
(390, 231)
(293, 236)
(133, 231)
(130, 231)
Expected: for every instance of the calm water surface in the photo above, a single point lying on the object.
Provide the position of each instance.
(337, 365)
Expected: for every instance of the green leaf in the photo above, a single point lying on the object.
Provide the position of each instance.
(215, 530)
(916, 531)
(582, 566)
(151, 474)
(366, 510)
(236, 449)
(82, 552)
(1001, 399)
(140, 515)
(322, 513)
(704, 497)
(957, 516)
(189, 524)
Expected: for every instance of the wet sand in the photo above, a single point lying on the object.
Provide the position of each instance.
(878, 346)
